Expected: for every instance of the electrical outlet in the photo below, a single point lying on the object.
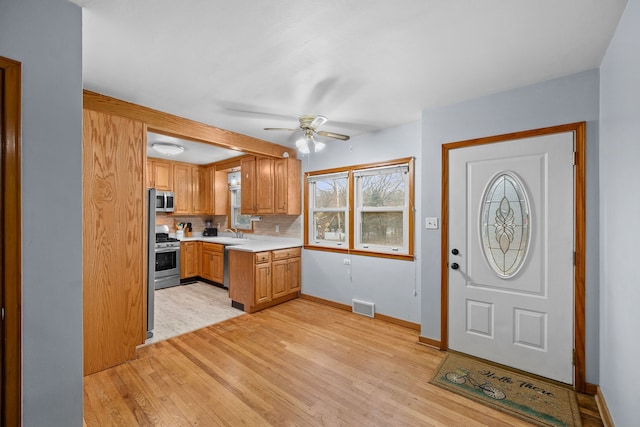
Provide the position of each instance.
(346, 261)
(277, 228)
(431, 223)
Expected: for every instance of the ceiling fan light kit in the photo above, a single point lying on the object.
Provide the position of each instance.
(306, 144)
(309, 125)
(167, 149)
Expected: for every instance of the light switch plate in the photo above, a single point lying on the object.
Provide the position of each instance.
(431, 223)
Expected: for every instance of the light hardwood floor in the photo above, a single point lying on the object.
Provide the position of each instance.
(182, 309)
(300, 363)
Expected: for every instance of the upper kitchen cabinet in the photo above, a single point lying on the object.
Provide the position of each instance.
(220, 193)
(160, 175)
(287, 186)
(257, 179)
(182, 189)
(191, 188)
(197, 188)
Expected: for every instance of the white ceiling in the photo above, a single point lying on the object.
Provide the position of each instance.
(243, 65)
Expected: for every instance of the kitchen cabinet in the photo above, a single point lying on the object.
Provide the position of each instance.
(262, 282)
(213, 262)
(190, 259)
(287, 187)
(264, 279)
(189, 182)
(160, 175)
(286, 271)
(257, 185)
(198, 183)
(220, 193)
(182, 188)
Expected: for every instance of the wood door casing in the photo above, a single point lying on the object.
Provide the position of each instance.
(11, 238)
(114, 241)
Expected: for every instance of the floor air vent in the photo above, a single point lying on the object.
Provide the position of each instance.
(363, 307)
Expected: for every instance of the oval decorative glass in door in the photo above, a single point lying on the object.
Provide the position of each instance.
(505, 224)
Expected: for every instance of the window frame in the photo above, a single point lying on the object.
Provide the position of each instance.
(359, 209)
(235, 195)
(312, 210)
(407, 253)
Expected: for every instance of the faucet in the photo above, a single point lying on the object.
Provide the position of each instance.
(236, 232)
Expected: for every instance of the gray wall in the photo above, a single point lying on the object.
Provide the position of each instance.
(391, 284)
(619, 213)
(559, 101)
(47, 38)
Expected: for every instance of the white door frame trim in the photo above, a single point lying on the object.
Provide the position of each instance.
(579, 130)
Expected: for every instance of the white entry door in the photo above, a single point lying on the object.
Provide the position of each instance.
(511, 259)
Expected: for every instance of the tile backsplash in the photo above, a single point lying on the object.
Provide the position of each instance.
(289, 226)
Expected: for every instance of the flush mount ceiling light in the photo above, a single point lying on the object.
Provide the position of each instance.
(168, 149)
(307, 143)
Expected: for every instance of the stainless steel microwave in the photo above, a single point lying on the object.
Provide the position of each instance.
(165, 201)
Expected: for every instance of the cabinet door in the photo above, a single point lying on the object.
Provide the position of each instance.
(262, 284)
(279, 280)
(182, 189)
(263, 186)
(280, 186)
(247, 181)
(217, 262)
(163, 176)
(197, 176)
(221, 194)
(294, 274)
(287, 186)
(207, 265)
(189, 259)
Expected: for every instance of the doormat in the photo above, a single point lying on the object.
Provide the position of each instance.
(527, 397)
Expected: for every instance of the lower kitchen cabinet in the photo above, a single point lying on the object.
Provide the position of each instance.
(190, 259)
(286, 271)
(263, 279)
(213, 262)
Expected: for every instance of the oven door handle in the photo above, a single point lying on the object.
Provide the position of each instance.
(164, 250)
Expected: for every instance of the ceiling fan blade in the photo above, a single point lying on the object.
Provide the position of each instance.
(317, 122)
(333, 135)
(287, 129)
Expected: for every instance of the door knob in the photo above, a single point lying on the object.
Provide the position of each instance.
(455, 266)
(455, 251)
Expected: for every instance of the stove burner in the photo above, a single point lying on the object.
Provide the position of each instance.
(164, 237)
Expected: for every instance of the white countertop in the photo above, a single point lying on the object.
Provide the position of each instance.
(247, 245)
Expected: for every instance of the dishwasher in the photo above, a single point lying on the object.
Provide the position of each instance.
(226, 267)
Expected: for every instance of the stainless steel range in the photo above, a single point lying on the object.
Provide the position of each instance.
(167, 254)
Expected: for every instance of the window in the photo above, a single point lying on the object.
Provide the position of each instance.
(328, 209)
(239, 221)
(382, 209)
(365, 209)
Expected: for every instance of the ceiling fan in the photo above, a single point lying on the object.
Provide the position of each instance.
(309, 124)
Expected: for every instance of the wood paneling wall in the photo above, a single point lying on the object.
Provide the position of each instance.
(114, 256)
